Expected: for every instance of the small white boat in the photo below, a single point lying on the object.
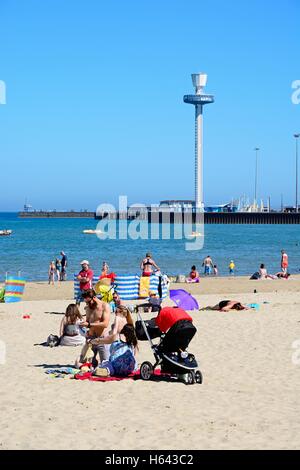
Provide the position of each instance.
(195, 234)
(90, 231)
(5, 232)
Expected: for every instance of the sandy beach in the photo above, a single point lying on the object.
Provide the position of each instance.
(249, 398)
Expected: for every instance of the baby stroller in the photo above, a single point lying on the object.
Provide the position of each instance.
(170, 353)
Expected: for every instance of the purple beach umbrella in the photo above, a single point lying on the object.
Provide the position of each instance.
(184, 299)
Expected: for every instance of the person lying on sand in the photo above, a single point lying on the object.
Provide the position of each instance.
(282, 275)
(227, 305)
(263, 273)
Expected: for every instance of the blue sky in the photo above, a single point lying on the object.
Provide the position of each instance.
(94, 100)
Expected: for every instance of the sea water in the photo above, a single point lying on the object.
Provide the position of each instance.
(36, 242)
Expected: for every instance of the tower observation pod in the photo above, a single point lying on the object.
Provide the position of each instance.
(199, 99)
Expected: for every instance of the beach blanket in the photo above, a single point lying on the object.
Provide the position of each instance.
(14, 289)
(134, 376)
(144, 287)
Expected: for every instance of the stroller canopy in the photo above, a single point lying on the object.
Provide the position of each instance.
(168, 316)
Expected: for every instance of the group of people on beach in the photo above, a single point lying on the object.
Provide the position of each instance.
(110, 349)
(262, 273)
(212, 269)
(58, 269)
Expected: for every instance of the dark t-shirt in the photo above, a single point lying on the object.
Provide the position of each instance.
(64, 261)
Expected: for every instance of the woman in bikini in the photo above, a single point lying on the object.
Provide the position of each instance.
(227, 305)
(147, 265)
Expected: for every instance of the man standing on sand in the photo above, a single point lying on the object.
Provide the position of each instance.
(97, 320)
(85, 278)
(63, 263)
(208, 265)
(284, 261)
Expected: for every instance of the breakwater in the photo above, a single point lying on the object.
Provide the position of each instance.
(56, 215)
(236, 218)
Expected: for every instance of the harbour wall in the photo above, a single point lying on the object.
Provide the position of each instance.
(56, 215)
(237, 218)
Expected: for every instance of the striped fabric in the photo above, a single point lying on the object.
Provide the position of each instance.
(127, 286)
(14, 289)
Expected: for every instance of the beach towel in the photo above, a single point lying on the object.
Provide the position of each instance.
(144, 286)
(94, 378)
(134, 376)
(62, 372)
(14, 289)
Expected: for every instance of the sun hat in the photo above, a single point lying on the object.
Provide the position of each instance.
(85, 261)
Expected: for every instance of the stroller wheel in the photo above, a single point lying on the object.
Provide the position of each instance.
(198, 377)
(146, 370)
(190, 378)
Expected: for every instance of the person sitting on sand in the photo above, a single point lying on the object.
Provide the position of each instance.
(153, 304)
(227, 305)
(70, 332)
(122, 318)
(97, 320)
(116, 300)
(147, 265)
(263, 274)
(123, 349)
(194, 276)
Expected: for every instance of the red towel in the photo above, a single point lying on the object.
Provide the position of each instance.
(133, 376)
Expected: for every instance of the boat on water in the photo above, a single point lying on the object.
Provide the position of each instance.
(195, 234)
(90, 231)
(4, 233)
